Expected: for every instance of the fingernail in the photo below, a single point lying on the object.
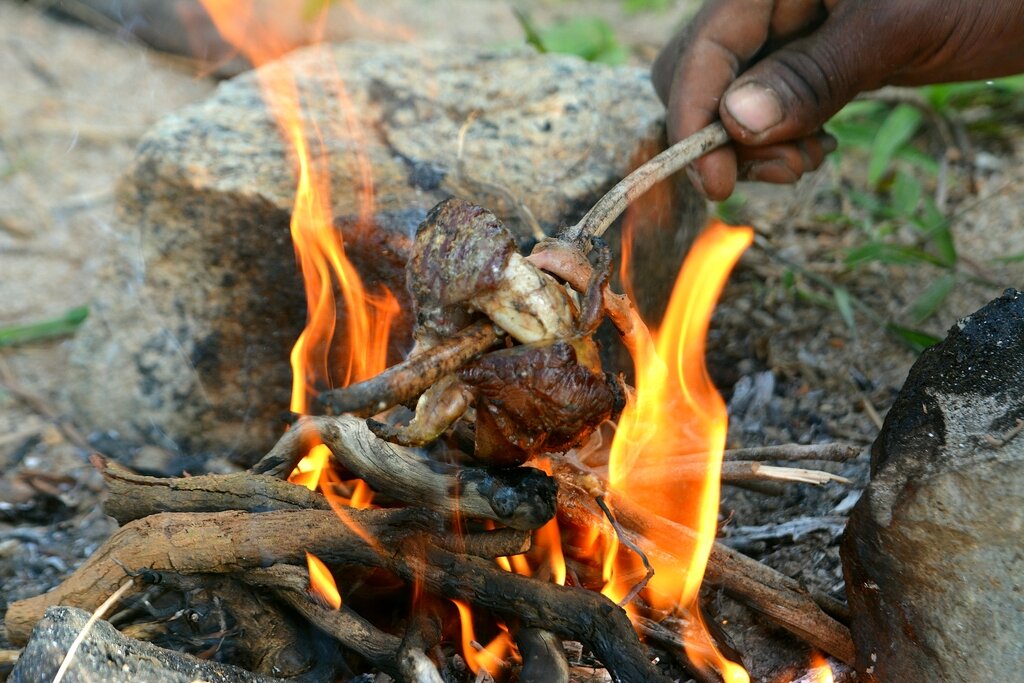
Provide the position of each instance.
(697, 181)
(754, 107)
(774, 171)
(828, 143)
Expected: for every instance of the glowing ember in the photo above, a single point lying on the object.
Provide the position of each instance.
(675, 411)
(321, 582)
(821, 672)
(490, 657)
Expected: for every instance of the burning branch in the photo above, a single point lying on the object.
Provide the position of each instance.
(522, 498)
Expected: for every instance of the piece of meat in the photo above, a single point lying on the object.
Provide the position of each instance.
(465, 262)
(538, 398)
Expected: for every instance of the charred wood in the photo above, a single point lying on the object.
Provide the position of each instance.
(291, 584)
(543, 657)
(134, 496)
(570, 612)
(405, 381)
(218, 542)
(778, 597)
(521, 498)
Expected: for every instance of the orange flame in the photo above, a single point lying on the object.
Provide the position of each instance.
(490, 657)
(319, 246)
(321, 582)
(821, 671)
(676, 410)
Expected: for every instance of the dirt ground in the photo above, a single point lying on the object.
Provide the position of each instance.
(75, 101)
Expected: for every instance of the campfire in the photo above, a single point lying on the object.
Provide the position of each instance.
(498, 501)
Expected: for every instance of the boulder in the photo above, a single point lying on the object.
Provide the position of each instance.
(107, 655)
(934, 550)
(187, 343)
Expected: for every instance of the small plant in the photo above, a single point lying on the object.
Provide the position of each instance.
(902, 222)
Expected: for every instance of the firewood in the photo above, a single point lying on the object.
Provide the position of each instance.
(543, 657)
(291, 584)
(570, 612)
(405, 381)
(684, 469)
(424, 633)
(779, 597)
(225, 542)
(266, 637)
(833, 452)
(519, 497)
(134, 496)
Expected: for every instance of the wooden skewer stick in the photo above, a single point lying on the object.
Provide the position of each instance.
(615, 201)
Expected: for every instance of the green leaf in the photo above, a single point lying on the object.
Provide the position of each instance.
(929, 302)
(729, 210)
(1012, 258)
(47, 329)
(530, 32)
(897, 129)
(905, 194)
(915, 339)
(845, 306)
(882, 252)
(945, 247)
(588, 37)
(788, 279)
(634, 6)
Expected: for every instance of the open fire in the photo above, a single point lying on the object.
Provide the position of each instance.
(675, 417)
(455, 501)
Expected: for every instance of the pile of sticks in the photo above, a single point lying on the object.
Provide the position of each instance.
(247, 534)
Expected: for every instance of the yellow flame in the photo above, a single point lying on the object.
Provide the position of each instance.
(321, 581)
(490, 657)
(677, 410)
(821, 671)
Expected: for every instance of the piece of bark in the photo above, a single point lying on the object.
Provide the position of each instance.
(291, 584)
(543, 657)
(424, 631)
(134, 496)
(107, 655)
(779, 597)
(521, 497)
(404, 382)
(225, 542)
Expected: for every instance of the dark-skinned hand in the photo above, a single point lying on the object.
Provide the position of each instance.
(774, 71)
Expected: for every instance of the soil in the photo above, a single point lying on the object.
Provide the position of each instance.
(75, 102)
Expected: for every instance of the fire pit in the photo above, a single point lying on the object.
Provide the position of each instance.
(468, 486)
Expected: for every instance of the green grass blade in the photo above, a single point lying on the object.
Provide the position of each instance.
(47, 329)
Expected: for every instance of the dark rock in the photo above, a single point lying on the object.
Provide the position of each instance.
(187, 345)
(934, 550)
(106, 655)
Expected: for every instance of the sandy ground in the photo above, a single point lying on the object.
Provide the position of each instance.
(74, 102)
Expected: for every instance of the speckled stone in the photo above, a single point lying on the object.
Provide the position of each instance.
(187, 346)
(107, 655)
(934, 550)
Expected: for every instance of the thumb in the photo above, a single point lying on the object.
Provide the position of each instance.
(792, 91)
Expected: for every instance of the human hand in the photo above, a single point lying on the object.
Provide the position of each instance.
(774, 71)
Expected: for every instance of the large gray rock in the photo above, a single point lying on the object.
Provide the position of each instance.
(187, 346)
(934, 550)
(107, 655)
